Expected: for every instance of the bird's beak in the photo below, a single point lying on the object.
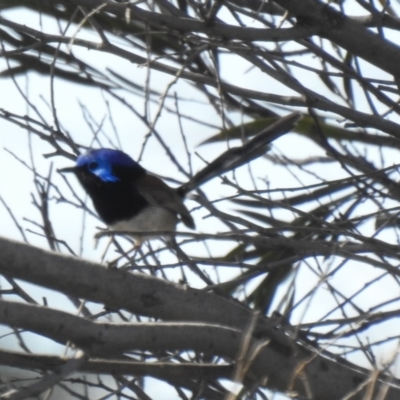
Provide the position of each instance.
(68, 169)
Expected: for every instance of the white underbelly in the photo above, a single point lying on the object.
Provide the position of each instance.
(151, 219)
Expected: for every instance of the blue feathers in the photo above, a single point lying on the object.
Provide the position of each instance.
(104, 162)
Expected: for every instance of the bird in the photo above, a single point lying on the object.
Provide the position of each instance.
(128, 198)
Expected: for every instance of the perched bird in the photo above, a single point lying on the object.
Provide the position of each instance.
(128, 198)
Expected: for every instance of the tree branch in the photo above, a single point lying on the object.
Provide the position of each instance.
(150, 296)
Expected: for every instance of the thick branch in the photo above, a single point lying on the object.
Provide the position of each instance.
(153, 297)
(161, 370)
(190, 25)
(346, 33)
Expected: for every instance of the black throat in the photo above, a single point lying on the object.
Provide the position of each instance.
(114, 201)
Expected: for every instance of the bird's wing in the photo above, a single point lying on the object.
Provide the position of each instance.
(158, 193)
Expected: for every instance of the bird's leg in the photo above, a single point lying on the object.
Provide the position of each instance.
(138, 244)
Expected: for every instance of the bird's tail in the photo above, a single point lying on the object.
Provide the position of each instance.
(237, 156)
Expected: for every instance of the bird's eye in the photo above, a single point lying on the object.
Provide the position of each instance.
(93, 165)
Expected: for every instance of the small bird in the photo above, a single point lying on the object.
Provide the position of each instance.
(129, 198)
(126, 196)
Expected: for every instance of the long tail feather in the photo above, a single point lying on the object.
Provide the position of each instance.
(237, 156)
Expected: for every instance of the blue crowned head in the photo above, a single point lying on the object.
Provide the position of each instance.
(108, 165)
